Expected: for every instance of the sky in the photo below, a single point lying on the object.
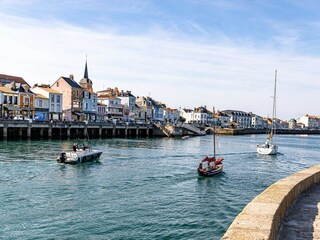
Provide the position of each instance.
(184, 53)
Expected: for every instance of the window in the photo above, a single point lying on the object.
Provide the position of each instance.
(58, 98)
(52, 107)
(10, 100)
(26, 102)
(5, 99)
(57, 84)
(52, 98)
(40, 103)
(75, 104)
(15, 100)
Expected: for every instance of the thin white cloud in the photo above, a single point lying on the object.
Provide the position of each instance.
(179, 72)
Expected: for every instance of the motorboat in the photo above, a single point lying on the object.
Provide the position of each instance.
(79, 155)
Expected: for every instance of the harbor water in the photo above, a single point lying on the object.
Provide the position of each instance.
(140, 188)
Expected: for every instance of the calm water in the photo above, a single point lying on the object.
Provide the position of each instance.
(140, 189)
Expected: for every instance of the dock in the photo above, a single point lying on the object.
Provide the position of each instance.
(16, 129)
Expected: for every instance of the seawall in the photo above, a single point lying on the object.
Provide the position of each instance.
(261, 218)
(230, 131)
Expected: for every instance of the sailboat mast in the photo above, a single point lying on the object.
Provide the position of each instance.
(274, 104)
(214, 133)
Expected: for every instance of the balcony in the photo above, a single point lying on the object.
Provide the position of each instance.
(114, 105)
(114, 113)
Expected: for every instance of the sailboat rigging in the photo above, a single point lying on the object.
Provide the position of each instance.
(210, 166)
(269, 147)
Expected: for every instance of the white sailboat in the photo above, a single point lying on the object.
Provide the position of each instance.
(269, 147)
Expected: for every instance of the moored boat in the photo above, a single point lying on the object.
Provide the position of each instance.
(81, 155)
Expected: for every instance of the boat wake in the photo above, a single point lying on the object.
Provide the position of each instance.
(242, 153)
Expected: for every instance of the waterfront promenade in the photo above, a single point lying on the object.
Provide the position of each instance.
(288, 209)
(303, 221)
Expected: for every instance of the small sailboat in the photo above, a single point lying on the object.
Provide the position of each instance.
(210, 166)
(269, 147)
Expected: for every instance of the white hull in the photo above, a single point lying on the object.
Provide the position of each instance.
(79, 156)
(267, 150)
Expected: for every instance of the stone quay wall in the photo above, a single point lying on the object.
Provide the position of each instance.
(261, 218)
(247, 131)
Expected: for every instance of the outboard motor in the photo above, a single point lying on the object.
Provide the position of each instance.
(62, 158)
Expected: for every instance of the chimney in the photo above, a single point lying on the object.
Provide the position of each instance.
(117, 91)
(13, 85)
(71, 77)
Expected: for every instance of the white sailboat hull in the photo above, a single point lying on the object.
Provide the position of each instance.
(267, 149)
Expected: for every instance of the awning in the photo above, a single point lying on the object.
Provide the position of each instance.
(12, 108)
(78, 113)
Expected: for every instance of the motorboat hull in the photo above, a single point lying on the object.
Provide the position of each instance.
(79, 156)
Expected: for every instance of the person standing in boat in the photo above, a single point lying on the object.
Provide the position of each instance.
(74, 147)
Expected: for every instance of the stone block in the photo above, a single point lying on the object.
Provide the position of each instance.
(246, 234)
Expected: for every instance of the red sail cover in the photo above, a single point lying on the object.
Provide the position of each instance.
(212, 159)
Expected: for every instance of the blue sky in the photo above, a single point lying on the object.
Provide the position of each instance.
(183, 52)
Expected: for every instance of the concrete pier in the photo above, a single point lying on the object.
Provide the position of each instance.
(13, 129)
(303, 221)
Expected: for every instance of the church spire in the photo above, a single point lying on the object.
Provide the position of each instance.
(85, 82)
(86, 75)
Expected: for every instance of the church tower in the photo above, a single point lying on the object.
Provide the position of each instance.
(85, 82)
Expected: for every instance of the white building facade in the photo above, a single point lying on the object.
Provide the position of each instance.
(243, 119)
(114, 107)
(55, 101)
(311, 122)
(195, 116)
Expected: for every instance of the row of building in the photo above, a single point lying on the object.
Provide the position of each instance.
(241, 119)
(69, 100)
